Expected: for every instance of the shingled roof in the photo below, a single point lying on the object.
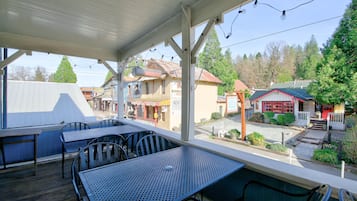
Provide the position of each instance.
(173, 69)
(301, 94)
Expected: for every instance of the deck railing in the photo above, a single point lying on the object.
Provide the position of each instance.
(336, 121)
(302, 119)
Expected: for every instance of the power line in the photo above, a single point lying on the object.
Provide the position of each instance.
(283, 31)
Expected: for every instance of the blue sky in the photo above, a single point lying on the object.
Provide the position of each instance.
(255, 22)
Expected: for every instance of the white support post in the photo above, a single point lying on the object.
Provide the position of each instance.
(120, 89)
(188, 77)
(188, 59)
(343, 169)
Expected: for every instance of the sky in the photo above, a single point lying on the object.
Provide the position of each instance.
(252, 30)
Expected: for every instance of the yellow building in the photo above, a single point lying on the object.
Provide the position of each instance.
(157, 97)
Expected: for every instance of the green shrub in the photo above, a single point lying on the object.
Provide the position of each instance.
(349, 146)
(216, 115)
(234, 133)
(228, 135)
(277, 147)
(269, 114)
(274, 121)
(256, 138)
(351, 121)
(285, 119)
(289, 118)
(280, 119)
(257, 117)
(326, 155)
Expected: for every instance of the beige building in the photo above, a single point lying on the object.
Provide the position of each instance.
(157, 97)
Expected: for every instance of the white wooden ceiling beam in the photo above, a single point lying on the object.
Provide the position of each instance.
(13, 57)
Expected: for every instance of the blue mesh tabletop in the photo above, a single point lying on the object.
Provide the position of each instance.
(72, 136)
(173, 174)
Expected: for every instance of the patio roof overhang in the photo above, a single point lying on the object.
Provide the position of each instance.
(109, 29)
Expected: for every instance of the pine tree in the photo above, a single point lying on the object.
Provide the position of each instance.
(337, 73)
(64, 72)
(218, 64)
(311, 57)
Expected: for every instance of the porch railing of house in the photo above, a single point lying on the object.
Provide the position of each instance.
(336, 121)
(302, 118)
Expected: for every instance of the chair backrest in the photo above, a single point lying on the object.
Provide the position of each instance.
(95, 155)
(321, 193)
(100, 153)
(253, 190)
(345, 195)
(76, 180)
(109, 122)
(153, 143)
(132, 139)
(75, 126)
(118, 139)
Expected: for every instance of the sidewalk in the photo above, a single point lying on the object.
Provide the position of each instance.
(279, 157)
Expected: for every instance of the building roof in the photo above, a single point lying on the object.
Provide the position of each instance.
(295, 92)
(174, 70)
(39, 103)
(292, 84)
(240, 86)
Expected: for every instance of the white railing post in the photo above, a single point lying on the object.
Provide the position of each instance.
(343, 169)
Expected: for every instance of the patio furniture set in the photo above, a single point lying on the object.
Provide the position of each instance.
(157, 169)
(125, 162)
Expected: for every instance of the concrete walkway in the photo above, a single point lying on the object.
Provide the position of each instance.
(311, 140)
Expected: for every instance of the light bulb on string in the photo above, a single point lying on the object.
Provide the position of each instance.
(283, 15)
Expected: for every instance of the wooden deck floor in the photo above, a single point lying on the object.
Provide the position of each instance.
(20, 183)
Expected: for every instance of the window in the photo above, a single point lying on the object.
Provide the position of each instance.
(163, 118)
(146, 87)
(301, 106)
(278, 106)
(163, 87)
(140, 111)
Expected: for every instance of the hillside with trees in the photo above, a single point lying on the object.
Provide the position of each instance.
(279, 63)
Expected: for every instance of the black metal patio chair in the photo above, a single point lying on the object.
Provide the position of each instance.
(131, 141)
(109, 122)
(118, 139)
(318, 193)
(153, 143)
(94, 155)
(345, 195)
(72, 147)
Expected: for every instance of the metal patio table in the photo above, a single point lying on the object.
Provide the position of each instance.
(15, 136)
(73, 136)
(174, 174)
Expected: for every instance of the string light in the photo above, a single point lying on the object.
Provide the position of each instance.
(282, 31)
(161, 55)
(284, 11)
(240, 11)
